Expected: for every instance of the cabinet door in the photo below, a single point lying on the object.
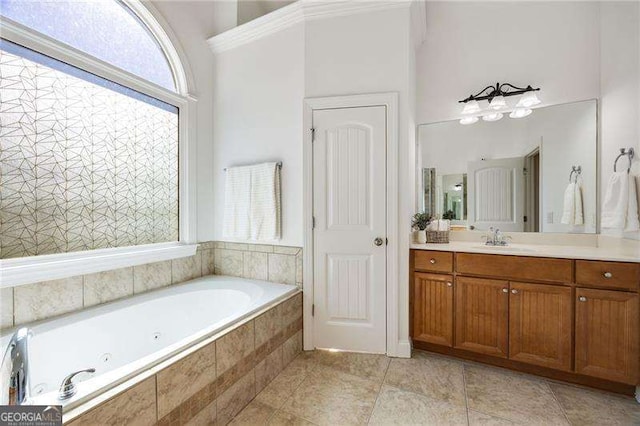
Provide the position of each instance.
(540, 324)
(482, 315)
(433, 308)
(607, 334)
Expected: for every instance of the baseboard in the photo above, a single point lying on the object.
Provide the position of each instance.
(403, 350)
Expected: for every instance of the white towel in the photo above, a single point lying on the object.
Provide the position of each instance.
(633, 221)
(572, 213)
(252, 203)
(444, 224)
(620, 208)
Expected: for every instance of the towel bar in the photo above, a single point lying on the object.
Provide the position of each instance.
(278, 165)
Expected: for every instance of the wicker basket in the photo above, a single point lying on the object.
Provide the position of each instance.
(440, 237)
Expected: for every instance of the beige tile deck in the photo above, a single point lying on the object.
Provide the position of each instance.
(343, 389)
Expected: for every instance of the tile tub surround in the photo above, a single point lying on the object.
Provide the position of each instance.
(43, 300)
(279, 264)
(344, 388)
(33, 302)
(215, 382)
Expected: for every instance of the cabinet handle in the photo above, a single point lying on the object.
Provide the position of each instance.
(505, 290)
(432, 261)
(514, 291)
(607, 275)
(449, 284)
(582, 299)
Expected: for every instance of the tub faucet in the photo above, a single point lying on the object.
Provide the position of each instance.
(14, 371)
(68, 387)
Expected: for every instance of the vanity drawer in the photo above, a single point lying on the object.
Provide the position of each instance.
(433, 261)
(614, 275)
(516, 267)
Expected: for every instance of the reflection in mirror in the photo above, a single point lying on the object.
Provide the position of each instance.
(533, 174)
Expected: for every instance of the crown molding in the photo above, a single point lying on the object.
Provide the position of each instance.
(301, 11)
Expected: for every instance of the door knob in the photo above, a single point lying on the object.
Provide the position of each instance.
(505, 290)
(607, 275)
(514, 291)
(582, 299)
(378, 241)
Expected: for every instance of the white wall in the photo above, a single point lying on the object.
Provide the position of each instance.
(192, 22)
(252, 9)
(572, 50)
(620, 88)
(259, 89)
(552, 45)
(371, 53)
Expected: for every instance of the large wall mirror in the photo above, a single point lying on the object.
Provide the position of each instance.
(531, 174)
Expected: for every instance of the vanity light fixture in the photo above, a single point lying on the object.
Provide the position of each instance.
(527, 100)
(471, 107)
(496, 96)
(492, 116)
(470, 119)
(498, 103)
(520, 112)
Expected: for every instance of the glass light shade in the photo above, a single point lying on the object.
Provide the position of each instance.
(528, 100)
(471, 107)
(520, 112)
(469, 120)
(492, 116)
(498, 103)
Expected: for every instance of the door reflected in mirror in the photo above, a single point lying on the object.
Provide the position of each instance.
(514, 174)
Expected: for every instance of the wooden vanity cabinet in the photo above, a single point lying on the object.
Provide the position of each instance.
(572, 320)
(433, 308)
(541, 324)
(607, 334)
(481, 314)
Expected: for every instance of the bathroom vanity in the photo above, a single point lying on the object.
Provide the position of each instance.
(557, 313)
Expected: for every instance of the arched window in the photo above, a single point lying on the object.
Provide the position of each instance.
(89, 155)
(107, 30)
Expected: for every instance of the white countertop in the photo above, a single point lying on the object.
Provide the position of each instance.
(536, 250)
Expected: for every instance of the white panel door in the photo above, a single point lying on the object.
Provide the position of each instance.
(349, 204)
(496, 194)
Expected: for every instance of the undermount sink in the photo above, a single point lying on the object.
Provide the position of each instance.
(506, 248)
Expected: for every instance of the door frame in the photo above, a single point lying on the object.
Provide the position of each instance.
(390, 101)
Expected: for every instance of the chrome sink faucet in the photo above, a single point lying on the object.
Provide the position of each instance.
(14, 370)
(495, 237)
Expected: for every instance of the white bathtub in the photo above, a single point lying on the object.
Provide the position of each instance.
(123, 338)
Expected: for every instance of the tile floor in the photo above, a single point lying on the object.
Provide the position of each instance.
(326, 388)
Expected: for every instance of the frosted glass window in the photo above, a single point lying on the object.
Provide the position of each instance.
(105, 29)
(84, 162)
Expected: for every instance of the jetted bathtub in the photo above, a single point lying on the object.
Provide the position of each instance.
(123, 338)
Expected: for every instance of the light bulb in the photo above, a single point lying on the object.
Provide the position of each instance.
(471, 107)
(520, 112)
(498, 103)
(492, 116)
(528, 100)
(469, 120)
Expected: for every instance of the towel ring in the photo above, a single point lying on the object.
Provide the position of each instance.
(628, 152)
(577, 170)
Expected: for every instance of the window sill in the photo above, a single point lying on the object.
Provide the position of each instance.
(27, 270)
